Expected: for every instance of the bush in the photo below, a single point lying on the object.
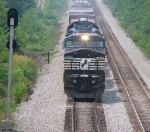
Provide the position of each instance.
(2, 91)
(134, 15)
(23, 74)
(3, 73)
(20, 92)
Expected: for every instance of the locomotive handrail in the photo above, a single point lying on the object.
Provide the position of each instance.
(65, 70)
(103, 70)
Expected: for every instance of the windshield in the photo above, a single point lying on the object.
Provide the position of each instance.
(74, 44)
(91, 44)
(95, 44)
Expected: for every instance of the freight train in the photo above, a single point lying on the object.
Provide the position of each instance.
(84, 57)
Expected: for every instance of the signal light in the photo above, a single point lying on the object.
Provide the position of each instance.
(14, 44)
(12, 13)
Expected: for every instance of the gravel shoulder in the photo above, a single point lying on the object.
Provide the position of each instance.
(45, 111)
(117, 119)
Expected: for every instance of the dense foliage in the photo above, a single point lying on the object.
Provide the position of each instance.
(134, 16)
(35, 32)
(39, 32)
(21, 5)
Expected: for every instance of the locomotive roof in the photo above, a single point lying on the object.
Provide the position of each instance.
(82, 23)
(76, 36)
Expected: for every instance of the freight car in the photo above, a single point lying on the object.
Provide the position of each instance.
(83, 4)
(75, 15)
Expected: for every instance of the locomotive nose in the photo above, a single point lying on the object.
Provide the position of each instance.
(83, 88)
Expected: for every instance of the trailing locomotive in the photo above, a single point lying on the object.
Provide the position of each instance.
(84, 61)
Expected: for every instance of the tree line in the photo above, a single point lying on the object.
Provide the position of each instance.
(35, 31)
(134, 16)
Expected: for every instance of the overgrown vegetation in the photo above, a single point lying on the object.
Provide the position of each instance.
(134, 16)
(35, 32)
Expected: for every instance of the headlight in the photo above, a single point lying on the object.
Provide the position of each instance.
(85, 37)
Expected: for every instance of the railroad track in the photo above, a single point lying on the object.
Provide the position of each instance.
(84, 117)
(127, 77)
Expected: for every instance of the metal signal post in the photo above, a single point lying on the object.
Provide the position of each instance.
(12, 23)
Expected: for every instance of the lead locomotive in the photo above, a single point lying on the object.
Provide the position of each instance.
(84, 61)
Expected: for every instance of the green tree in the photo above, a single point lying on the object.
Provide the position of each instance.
(21, 5)
(134, 16)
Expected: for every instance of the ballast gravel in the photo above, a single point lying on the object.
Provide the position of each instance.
(116, 116)
(45, 111)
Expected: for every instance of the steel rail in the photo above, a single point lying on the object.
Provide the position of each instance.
(97, 117)
(132, 105)
(148, 96)
(73, 116)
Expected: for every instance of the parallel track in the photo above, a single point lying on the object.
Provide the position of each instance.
(127, 77)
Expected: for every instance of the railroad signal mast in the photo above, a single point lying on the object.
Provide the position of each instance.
(12, 22)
